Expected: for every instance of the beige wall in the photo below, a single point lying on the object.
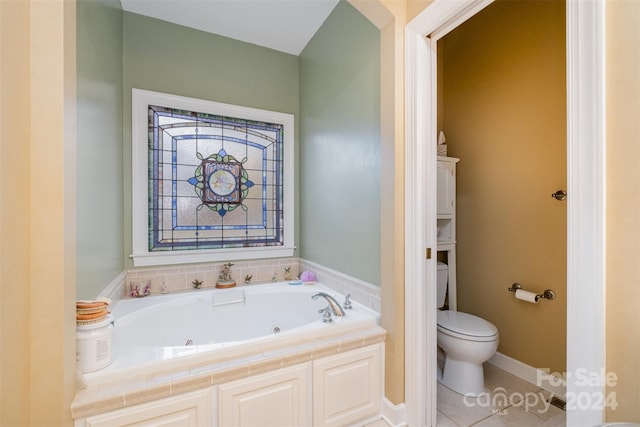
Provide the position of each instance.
(14, 225)
(391, 214)
(17, 262)
(390, 17)
(504, 115)
(414, 7)
(623, 206)
(37, 223)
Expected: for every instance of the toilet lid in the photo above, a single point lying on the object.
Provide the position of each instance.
(465, 324)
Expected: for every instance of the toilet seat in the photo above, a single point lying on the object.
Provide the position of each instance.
(466, 326)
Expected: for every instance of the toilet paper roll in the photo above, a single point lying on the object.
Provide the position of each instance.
(527, 296)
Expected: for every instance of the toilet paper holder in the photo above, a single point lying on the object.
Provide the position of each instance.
(547, 294)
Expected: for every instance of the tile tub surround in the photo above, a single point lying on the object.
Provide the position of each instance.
(198, 372)
(363, 292)
(180, 278)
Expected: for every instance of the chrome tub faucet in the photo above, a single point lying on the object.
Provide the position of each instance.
(335, 306)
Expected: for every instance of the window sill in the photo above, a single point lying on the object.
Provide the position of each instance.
(217, 255)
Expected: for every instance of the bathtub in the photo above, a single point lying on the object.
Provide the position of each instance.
(163, 332)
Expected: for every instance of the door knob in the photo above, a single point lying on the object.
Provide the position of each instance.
(559, 195)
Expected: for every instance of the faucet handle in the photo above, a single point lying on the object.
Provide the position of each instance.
(326, 314)
(347, 302)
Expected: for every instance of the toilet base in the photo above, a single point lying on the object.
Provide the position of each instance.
(463, 377)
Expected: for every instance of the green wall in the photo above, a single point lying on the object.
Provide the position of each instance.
(169, 58)
(332, 89)
(340, 148)
(99, 147)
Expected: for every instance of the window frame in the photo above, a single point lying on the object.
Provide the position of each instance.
(141, 99)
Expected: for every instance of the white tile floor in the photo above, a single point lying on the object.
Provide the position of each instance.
(510, 401)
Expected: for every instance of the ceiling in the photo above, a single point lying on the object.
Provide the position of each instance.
(284, 25)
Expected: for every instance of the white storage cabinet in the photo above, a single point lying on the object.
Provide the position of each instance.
(337, 390)
(446, 220)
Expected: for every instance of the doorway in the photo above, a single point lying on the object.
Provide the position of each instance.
(502, 106)
(585, 216)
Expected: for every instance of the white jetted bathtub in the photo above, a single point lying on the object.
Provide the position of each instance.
(160, 331)
(239, 356)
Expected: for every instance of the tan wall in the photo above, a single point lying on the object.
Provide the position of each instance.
(415, 7)
(14, 224)
(504, 116)
(37, 189)
(16, 383)
(392, 218)
(392, 22)
(623, 206)
(390, 18)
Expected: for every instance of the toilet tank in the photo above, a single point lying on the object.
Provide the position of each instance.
(443, 278)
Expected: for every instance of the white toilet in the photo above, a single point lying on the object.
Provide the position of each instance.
(467, 342)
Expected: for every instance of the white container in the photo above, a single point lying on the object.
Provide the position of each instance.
(93, 348)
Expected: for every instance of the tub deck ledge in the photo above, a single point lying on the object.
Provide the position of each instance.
(132, 390)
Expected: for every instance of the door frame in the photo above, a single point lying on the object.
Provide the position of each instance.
(585, 33)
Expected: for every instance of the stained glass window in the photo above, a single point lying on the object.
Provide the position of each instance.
(215, 181)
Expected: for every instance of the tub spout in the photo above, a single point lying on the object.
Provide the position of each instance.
(335, 306)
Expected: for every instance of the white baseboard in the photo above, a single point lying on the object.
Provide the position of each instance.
(542, 379)
(394, 415)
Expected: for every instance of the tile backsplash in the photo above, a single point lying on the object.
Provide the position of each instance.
(180, 278)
